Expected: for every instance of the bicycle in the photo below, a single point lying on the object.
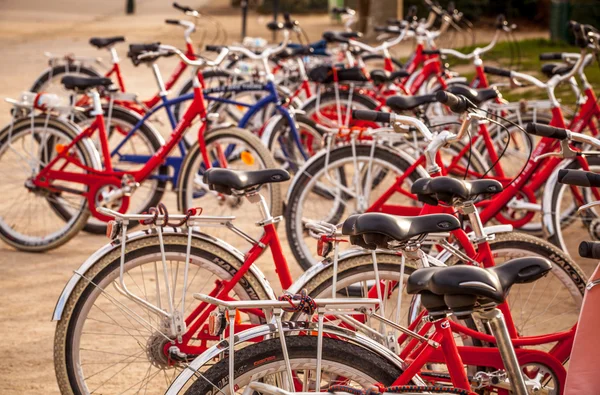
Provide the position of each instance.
(451, 292)
(49, 179)
(513, 206)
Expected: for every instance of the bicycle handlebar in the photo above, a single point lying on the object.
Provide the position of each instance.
(547, 131)
(267, 53)
(457, 103)
(372, 116)
(551, 56)
(385, 117)
(186, 10)
(589, 249)
(579, 178)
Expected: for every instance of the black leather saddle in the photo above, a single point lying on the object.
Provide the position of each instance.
(382, 77)
(340, 37)
(84, 83)
(447, 189)
(476, 96)
(461, 289)
(406, 103)
(226, 181)
(552, 69)
(377, 230)
(103, 42)
(324, 74)
(305, 50)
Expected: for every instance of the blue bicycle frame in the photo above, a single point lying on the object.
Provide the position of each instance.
(175, 161)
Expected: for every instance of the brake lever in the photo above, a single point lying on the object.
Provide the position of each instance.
(565, 152)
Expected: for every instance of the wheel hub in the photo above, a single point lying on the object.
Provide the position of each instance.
(155, 347)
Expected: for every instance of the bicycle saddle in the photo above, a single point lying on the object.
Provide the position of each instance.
(324, 74)
(102, 42)
(340, 37)
(448, 190)
(552, 69)
(464, 288)
(405, 103)
(377, 230)
(291, 52)
(84, 83)
(381, 76)
(227, 181)
(476, 96)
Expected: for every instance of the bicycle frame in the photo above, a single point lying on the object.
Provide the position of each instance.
(454, 356)
(97, 179)
(532, 178)
(272, 97)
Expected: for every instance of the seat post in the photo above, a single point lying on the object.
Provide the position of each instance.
(495, 319)
(95, 96)
(159, 80)
(470, 210)
(256, 198)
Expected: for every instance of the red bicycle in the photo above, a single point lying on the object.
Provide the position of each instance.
(67, 174)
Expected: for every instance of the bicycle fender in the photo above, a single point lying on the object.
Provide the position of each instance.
(138, 235)
(270, 330)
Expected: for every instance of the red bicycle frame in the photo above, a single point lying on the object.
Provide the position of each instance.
(96, 179)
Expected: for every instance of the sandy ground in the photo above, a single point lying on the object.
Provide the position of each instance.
(31, 283)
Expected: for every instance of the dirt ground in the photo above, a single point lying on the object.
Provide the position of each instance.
(31, 283)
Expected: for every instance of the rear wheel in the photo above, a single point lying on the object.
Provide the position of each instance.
(49, 81)
(132, 155)
(264, 362)
(107, 342)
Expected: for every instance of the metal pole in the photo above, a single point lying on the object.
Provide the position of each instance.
(244, 5)
(130, 7)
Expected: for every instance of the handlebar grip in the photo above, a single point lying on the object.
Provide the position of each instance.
(456, 103)
(182, 8)
(432, 52)
(373, 116)
(579, 178)
(500, 22)
(497, 71)
(589, 249)
(411, 14)
(546, 131)
(172, 21)
(274, 26)
(551, 56)
(340, 10)
(214, 48)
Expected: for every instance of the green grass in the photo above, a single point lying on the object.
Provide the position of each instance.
(524, 56)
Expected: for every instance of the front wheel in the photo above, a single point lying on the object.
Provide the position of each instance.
(28, 219)
(236, 149)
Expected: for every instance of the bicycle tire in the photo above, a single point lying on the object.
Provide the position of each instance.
(301, 351)
(39, 85)
(58, 238)
(294, 232)
(208, 254)
(152, 138)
